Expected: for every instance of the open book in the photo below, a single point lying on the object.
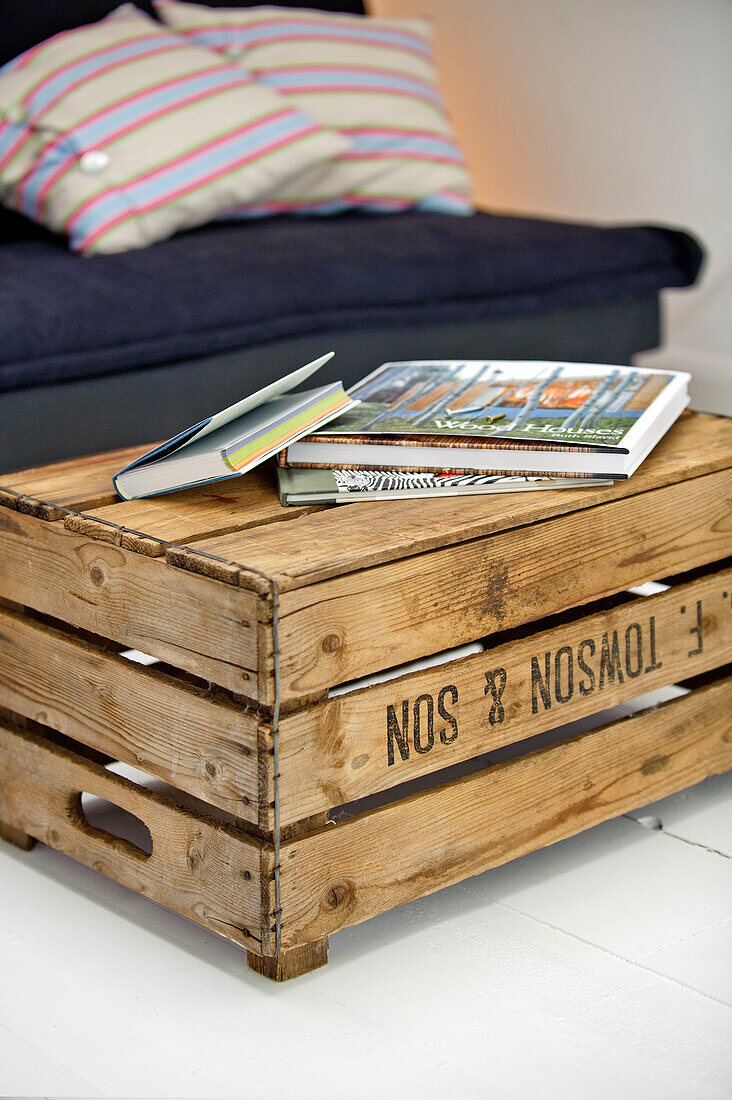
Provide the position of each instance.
(236, 439)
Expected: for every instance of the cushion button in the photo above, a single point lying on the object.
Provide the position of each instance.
(94, 161)
(15, 114)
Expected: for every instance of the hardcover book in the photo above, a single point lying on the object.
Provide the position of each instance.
(236, 439)
(481, 416)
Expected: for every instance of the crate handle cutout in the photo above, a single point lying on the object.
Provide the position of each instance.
(106, 821)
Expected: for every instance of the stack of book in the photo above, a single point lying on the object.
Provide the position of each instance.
(423, 429)
(455, 427)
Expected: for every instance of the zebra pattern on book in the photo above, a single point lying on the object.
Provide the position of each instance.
(360, 481)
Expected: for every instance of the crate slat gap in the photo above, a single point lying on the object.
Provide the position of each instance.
(196, 738)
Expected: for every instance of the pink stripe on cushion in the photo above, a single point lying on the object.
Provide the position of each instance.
(347, 40)
(367, 40)
(349, 78)
(401, 154)
(356, 89)
(375, 70)
(388, 132)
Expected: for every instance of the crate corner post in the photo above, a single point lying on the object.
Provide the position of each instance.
(291, 962)
(16, 837)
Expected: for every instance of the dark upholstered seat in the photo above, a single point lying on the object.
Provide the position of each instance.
(232, 285)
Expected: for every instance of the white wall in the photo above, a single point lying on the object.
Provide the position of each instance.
(611, 110)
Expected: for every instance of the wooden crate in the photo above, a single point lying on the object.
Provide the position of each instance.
(282, 807)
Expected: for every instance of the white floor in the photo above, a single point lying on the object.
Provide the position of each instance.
(600, 967)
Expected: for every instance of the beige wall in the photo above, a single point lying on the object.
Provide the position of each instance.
(612, 110)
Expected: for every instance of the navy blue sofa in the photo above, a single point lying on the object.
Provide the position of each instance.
(106, 351)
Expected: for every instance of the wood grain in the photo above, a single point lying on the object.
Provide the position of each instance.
(390, 856)
(194, 623)
(342, 540)
(349, 626)
(354, 745)
(198, 741)
(237, 504)
(78, 483)
(199, 867)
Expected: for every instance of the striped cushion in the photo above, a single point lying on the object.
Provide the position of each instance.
(121, 133)
(374, 80)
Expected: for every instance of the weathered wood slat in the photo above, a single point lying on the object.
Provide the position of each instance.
(145, 717)
(377, 618)
(390, 856)
(357, 744)
(339, 541)
(206, 628)
(199, 867)
(237, 504)
(78, 483)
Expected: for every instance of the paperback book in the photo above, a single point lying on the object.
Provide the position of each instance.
(236, 439)
(534, 418)
(309, 486)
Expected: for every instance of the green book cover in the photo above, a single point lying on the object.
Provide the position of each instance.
(301, 486)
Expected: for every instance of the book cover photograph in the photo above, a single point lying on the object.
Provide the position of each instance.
(581, 404)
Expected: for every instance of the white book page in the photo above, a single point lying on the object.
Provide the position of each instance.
(238, 430)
